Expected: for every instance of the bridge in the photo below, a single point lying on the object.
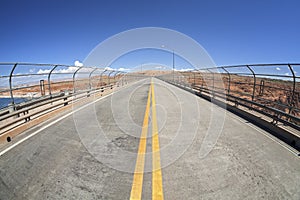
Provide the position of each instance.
(216, 133)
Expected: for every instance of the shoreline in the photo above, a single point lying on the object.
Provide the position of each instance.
(15, 96)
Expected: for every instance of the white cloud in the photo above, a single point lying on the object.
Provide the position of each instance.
(184, 70)
(278, 68)
(43, 71)
(123, 69)
(287, 74)
(66, 70)
(108, 68)
(77, 63)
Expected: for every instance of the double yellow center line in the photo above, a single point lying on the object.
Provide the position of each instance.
(137, 185)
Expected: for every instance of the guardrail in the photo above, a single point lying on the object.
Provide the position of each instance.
(270, 89)
(46, 87)
(34, 81)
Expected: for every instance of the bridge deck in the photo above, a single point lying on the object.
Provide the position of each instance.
(205, 152)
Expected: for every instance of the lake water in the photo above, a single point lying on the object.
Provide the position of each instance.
(5, 101)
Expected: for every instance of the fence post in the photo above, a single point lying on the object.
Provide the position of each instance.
(101, 77)
(213, 83)
(229, 80)
(42, 87)
(109, 76)
(261, 87)
(254, 81)
(10, 86)
(49, 80)
(118, 73)
(90, 75)
(294, 88)
(74, 79)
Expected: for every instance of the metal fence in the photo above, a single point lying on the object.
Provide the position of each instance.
(37, 91)
(270, 89)
(26, 82)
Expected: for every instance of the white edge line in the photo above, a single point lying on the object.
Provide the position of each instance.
(57, 120)
(268, 136)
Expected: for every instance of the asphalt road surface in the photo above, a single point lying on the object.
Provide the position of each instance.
(190, 149)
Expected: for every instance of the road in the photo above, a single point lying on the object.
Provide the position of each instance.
(197, 151)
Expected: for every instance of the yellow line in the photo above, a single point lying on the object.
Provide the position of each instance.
(157, 186)
(137, 184)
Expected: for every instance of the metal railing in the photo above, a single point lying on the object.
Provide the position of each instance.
(270, 89)
(33, 90)
(29, 82)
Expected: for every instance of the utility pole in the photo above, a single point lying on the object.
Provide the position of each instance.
(173, 55)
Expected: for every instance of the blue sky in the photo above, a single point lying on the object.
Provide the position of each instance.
(233, 32)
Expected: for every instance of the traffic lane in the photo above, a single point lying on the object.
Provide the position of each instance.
(55, 164)
(244, 163)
